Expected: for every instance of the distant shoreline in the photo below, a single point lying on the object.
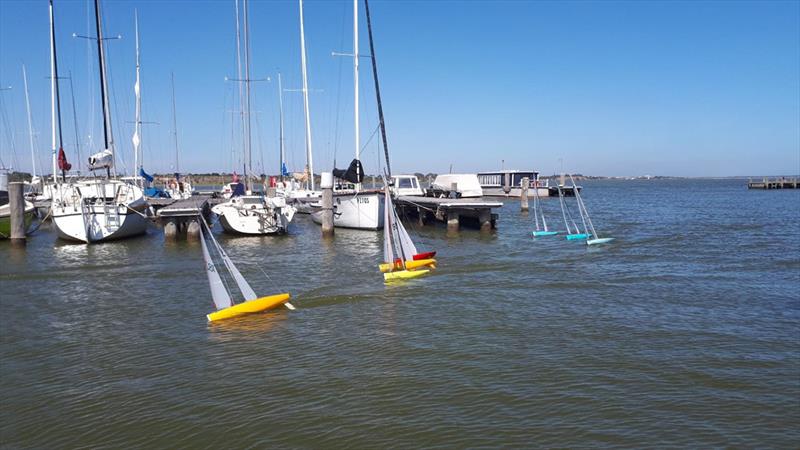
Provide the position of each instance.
(222, 178)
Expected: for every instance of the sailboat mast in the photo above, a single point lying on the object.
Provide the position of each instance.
(75, 121)
(53, 91)
(56, 101)
(248, 140)
(107, 132)
(280, 108)
(377, 90)
(175, 124)
(355, 82)
(30, 122)
(239, 74)
(137, 133)
(309, 155)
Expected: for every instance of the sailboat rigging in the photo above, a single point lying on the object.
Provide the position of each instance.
(304, 197)
(355, 207)
(252, 213)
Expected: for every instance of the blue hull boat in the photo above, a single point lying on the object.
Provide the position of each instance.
(574, 237)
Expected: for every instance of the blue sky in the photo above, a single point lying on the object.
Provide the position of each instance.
(612, 88)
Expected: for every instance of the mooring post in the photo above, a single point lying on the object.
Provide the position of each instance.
(485, 219)
(523, 197)
(193, 231)
(326, 183)
(420, 216)
(16, 202)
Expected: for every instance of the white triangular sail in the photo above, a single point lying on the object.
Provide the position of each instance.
(409, 249)
(388, 254)
(218, 292)
(244, 286)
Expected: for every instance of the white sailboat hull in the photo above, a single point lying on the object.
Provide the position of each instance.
(363, 211)
(98, 211)
(255, 215)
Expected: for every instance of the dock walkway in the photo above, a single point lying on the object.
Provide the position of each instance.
(778, 183)
(190, 207)
(454, 211)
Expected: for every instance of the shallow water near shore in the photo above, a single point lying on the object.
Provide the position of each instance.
(685, 330)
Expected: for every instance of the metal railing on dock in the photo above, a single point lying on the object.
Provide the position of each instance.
(777, 183)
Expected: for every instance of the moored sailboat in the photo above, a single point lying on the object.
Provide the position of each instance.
(353, 206)
(101, 208)
(252, 213)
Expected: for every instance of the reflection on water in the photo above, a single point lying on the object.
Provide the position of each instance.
(663, 338)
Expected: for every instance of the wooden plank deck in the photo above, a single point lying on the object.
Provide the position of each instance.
(453, 211)
(193, 206)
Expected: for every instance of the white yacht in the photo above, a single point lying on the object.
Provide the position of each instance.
(251, 213)
(101, 208)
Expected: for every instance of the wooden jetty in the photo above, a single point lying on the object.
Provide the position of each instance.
(453, 211)
(777, 183)
(181, 216)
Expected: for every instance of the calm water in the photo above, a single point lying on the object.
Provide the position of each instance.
(685, 331)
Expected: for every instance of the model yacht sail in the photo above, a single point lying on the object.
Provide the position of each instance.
(252, 213)
(226, 308)
(353, 206)
(398, 248)
(594, 239)
(573, 232)
(538, 214)
(103, 207)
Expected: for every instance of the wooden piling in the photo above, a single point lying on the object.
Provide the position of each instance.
(523, 197)
(16, 201)
(485, 219)
(326, 183)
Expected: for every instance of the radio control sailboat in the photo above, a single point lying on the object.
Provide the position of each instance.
(400, 256)
(220, 293)
(573, 232)
(538, 213)
(592, 239)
